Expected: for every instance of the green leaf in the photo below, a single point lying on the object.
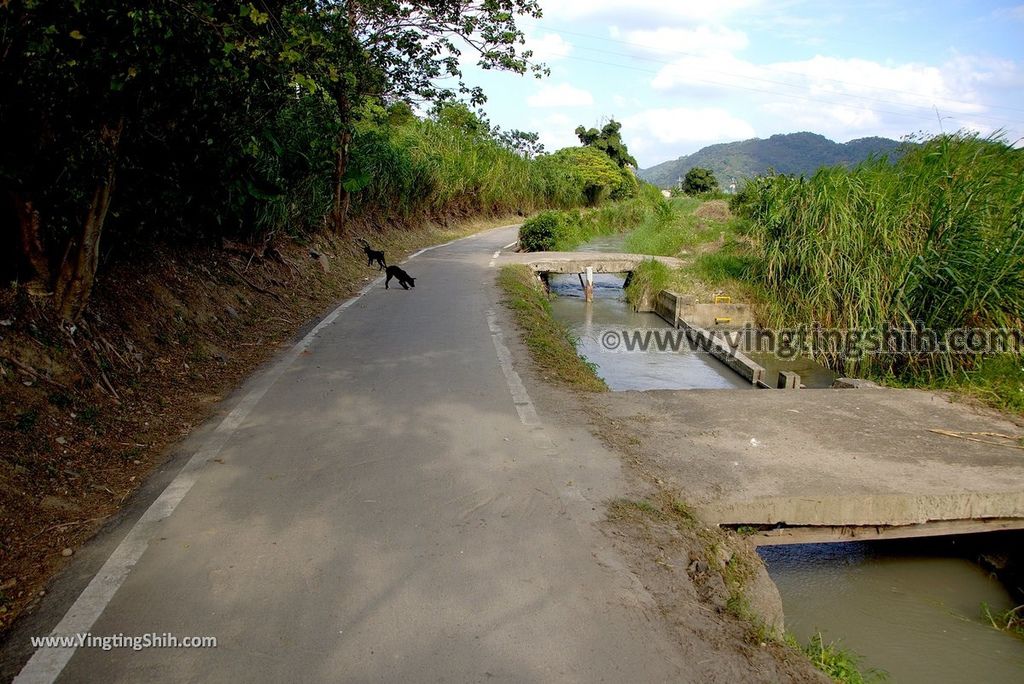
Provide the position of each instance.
(354, 182)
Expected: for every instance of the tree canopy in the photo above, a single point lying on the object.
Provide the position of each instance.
(591, 168)
(699, 180)
(209, 115)
(609, 141)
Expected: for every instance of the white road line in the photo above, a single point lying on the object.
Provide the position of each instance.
(520, 397)
(452, 242)
(45, 665)
(496, 254)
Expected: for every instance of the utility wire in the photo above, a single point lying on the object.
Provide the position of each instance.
(768, 68)
(768, 92)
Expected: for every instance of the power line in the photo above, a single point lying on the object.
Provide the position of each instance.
(925, 108)
(768, 92)
(768, 68)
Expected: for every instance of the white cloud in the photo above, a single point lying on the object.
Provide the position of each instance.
(705, 40)
(1015, 13)
(915, 85)
(560, 95)
(684, 124)
(556, 130)
(846, 97)
(833, 121)
(549, 47)
(657, 131)
(650, 12)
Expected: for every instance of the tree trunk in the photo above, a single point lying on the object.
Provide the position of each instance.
(342, 197)
(78, 269)
(32, 249)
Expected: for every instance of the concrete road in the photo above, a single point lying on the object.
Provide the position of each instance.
(382, 504)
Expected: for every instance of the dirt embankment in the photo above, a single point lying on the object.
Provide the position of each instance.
(88, 412)
(709, 583)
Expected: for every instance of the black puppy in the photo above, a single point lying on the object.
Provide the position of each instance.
(373, 255)
(404, 279)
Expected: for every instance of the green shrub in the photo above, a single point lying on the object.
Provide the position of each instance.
(569, 229)
(539, 233)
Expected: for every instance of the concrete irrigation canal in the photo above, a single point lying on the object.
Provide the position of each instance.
(814, 465)
(794, 469)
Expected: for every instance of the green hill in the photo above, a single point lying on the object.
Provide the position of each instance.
(792, 153)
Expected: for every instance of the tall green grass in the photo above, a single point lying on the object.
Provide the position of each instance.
(935, 240)
(551, 343)
(649, 278)
(427, 167)
(566, 230)
(680, 230)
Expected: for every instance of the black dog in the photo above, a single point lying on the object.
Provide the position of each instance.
(404, 279)
(373, 255)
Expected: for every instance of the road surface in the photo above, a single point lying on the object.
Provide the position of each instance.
(381, 504)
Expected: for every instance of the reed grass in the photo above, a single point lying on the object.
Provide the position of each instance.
(427, 168)
(934, 240)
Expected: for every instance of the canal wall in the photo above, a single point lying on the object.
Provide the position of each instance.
(700, 321)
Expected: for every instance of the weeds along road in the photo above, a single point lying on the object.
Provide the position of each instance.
(381, 505)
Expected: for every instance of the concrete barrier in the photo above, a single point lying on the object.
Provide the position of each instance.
(720, 349)
(674, 307)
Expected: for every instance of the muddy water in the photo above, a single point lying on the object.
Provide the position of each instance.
(609, 314)
(612, 310)
(909, 607)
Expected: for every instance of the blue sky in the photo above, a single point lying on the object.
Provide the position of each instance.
(682, 75)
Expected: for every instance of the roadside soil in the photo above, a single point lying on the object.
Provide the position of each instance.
(87, 413)
(708, 584)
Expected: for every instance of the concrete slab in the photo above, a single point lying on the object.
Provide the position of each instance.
(577, 262)
(838, 461)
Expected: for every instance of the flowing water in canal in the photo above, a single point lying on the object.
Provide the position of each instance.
(610, 315)
(911, 608)
(599, 324)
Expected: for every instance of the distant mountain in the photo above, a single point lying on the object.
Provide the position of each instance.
(792, 153)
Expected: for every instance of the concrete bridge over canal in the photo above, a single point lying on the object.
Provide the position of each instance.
(579, 262)
(585, 265)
